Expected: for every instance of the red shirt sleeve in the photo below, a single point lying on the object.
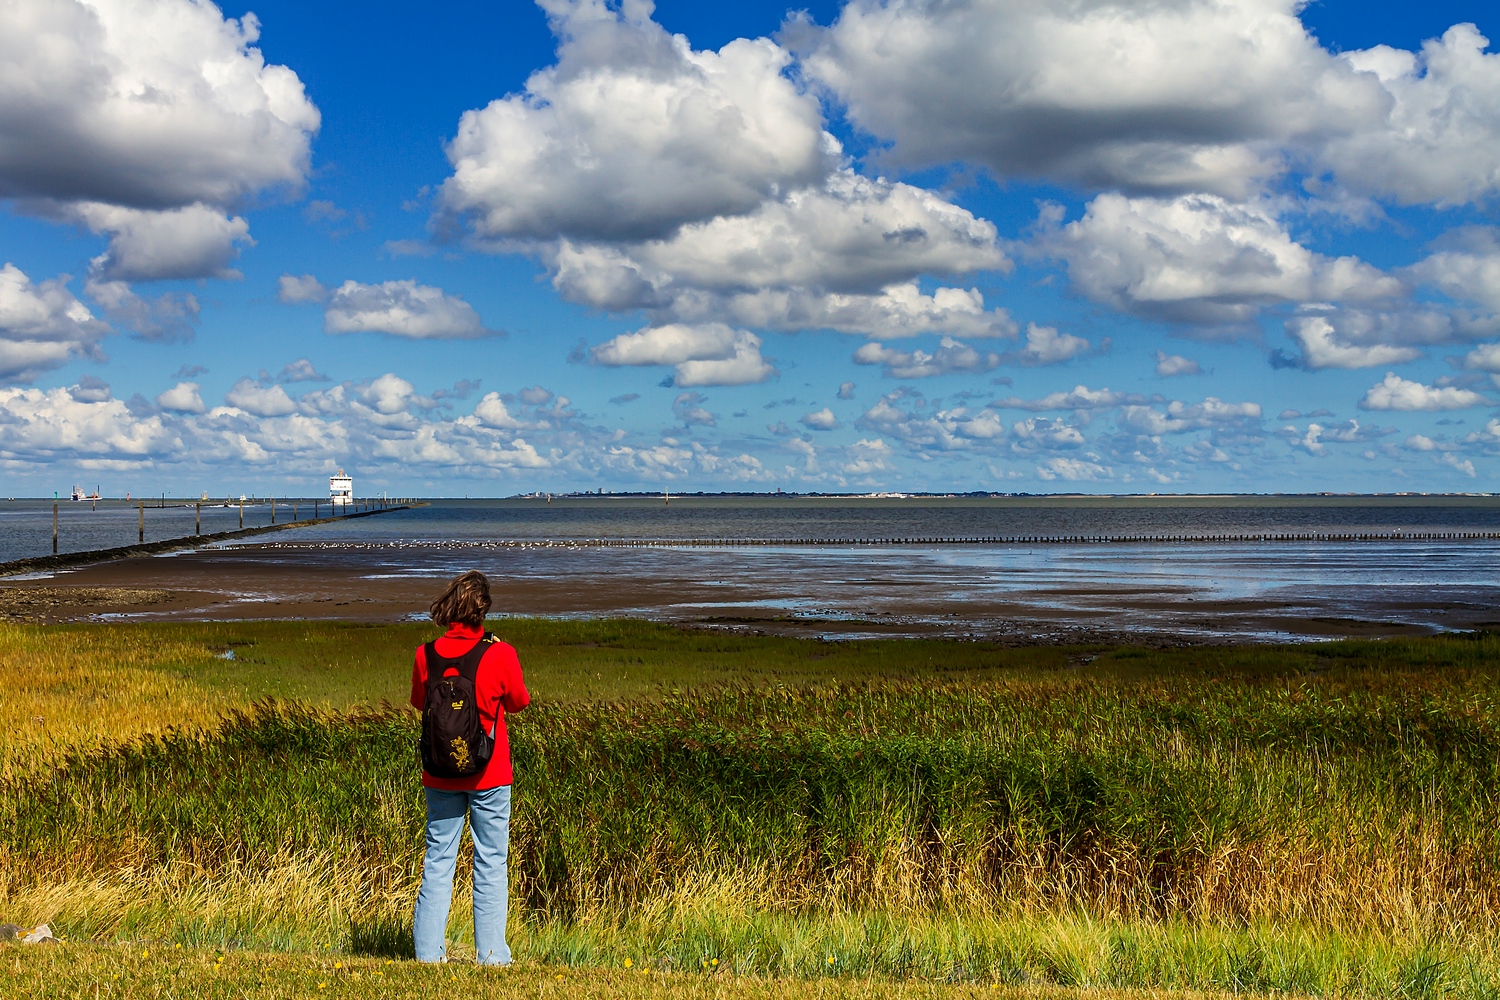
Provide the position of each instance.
(419, 680)
(505, 674)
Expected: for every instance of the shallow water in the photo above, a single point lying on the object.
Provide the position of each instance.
(83, 526)
(549, 562)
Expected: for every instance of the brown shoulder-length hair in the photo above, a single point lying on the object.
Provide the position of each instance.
(465, 600)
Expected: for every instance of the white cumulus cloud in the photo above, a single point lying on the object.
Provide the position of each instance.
(1465, 265)
(633, 133)
(946, 430)
(1179, 416)
(165, 317)
(1171, 365)
(298, 291)
(950, 357)
(1396, 393)
(1046, 346)
(1191, 96)
(42, 326)
(184, 397)
(1463, 465)
(191, 242)
(1044, 434)
(148, 104)
(1073, 470)
(1317, 436)
(50, 425)
(1171, 97)
(820, 420)
(260, 400)
(1439, 140)
(1324, 347)
(1484, 358)
(401, 309)
(1078, 398)
(841, 256)
(702, 354)
(1202, 259)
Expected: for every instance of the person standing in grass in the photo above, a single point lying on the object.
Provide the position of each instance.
(465, 659)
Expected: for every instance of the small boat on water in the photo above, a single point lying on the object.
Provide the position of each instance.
(79, 494)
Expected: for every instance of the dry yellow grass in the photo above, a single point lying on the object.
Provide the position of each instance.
(95, 687)
(151, 972)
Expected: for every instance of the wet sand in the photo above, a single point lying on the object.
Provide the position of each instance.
(829, 592)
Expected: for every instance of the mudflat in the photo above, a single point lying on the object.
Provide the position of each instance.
(822, 592)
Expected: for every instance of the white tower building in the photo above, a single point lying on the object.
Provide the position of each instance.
(341, 490)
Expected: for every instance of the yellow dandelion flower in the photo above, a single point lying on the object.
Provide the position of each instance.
(629, 963)
(146, 953)
(322, 986)
(713, 961)
(338, 965)
(830, 959)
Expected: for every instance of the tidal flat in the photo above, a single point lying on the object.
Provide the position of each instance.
(730, 812)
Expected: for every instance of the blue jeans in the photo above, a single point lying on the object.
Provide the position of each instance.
(489, 825)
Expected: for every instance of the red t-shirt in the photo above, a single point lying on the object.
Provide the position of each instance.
(498, 688)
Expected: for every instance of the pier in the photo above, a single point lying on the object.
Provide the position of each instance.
(68, 560)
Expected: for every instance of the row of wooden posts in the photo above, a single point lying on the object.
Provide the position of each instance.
(365, 506)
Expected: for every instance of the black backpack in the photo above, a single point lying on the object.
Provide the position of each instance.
(454, 743)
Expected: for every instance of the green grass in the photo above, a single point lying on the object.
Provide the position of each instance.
(1316, 819)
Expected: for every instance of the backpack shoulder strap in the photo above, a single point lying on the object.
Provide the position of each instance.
(437, 664)
(468, 664)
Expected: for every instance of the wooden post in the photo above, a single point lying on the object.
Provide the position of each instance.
(54, 527)
(197, 519)
(294, 510)
(273, 510)
(140, 532)
(242, 513)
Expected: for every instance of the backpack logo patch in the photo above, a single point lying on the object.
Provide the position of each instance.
(460, 753)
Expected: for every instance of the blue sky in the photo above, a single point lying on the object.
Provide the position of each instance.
(493, 248)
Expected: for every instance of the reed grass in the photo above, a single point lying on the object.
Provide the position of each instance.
(1285, 820)
(77, 685)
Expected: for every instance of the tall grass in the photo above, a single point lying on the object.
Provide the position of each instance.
(1151, 820)
(77, 685)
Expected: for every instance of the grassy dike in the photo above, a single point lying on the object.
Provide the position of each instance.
(1315, 820)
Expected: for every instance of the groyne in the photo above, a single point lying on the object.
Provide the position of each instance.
(1164, 539)
(70, 560)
